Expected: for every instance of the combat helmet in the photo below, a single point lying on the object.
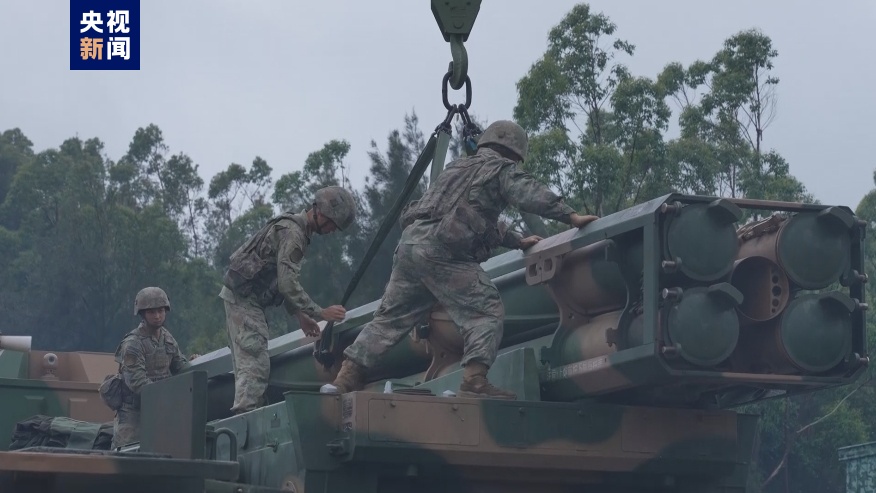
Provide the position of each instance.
(150, 298)
(507, 134)
(337, 204)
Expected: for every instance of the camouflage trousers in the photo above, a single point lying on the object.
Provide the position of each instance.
(126, 425)
(247, 331)
(423, 274)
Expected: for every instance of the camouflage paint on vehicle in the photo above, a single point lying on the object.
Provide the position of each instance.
(626, 341)
(860, 462)
(52, 384)
(629, 325)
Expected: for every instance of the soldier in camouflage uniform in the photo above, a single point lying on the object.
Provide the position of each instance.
(147, 354)
(264, 272)
(455, 226)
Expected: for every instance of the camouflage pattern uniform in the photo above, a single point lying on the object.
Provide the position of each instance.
(276, 251)
(425, 271)
(283, 248)
(143, 358)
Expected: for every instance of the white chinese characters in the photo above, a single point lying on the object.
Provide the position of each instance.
(119, 47)
(91, 19)
(118, 21)
(108, 37)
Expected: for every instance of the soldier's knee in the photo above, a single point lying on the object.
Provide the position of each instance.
(259, 371)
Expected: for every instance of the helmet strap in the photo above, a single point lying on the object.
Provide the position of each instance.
(318, 227)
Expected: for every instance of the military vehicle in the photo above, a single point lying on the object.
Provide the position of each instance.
(629, 342)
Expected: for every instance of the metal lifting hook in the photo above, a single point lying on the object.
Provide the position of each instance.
(459, 65)
(455, 19)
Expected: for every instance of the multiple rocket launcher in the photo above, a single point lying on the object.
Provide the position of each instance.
(625, 341)
(667, 303)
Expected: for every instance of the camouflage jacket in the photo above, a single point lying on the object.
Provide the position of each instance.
(145, 358)
(500, 182)
(281, 246)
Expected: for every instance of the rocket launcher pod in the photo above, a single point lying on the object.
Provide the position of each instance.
(813, 335)
(813, 248)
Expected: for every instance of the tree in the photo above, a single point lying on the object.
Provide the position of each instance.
(232, 193)
(596, 131)
(389, 172)
(720, 150)
(85, 238)
(16, 150)
(327, 265)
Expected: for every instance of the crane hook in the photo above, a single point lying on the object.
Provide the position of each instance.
(455, 19)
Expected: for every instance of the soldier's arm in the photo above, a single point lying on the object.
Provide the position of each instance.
(133, 366)
(520, 189)
(290, 253)
(178, 362)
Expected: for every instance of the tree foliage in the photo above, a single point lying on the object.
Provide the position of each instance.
(81, 233)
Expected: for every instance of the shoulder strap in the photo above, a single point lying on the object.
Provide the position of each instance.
(255, 239)
(460, 191)
(129, 335)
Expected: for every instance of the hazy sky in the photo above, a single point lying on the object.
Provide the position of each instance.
(230, 80)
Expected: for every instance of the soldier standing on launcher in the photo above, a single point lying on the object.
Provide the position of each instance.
(264, 272)
(448, 232)
(147, 354)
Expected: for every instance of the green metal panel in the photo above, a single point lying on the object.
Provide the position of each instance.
(13, 364)
(173, 416)
(455, 17)
(860, 462)
(25, 398)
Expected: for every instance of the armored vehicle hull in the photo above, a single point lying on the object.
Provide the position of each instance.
(628, 343)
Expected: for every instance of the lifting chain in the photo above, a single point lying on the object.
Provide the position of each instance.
(470, 130)
(455, 18)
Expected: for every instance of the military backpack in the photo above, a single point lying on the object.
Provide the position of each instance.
(111, 391)
(461, 227)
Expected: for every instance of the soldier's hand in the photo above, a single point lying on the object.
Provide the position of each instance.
(193, 356)
(580, 221)
(308, 325)
(529, 241)
(334, 313)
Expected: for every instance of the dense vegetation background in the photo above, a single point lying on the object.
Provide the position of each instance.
(81, 232)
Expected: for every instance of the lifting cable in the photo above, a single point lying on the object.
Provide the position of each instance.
(455, 19)
(435, 153)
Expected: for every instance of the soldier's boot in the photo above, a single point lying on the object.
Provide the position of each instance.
(262, 402)
(350, 378)
(475, 384)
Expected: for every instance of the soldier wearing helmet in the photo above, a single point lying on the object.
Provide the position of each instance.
(147, 354)
(448, 232)
(264, 272)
